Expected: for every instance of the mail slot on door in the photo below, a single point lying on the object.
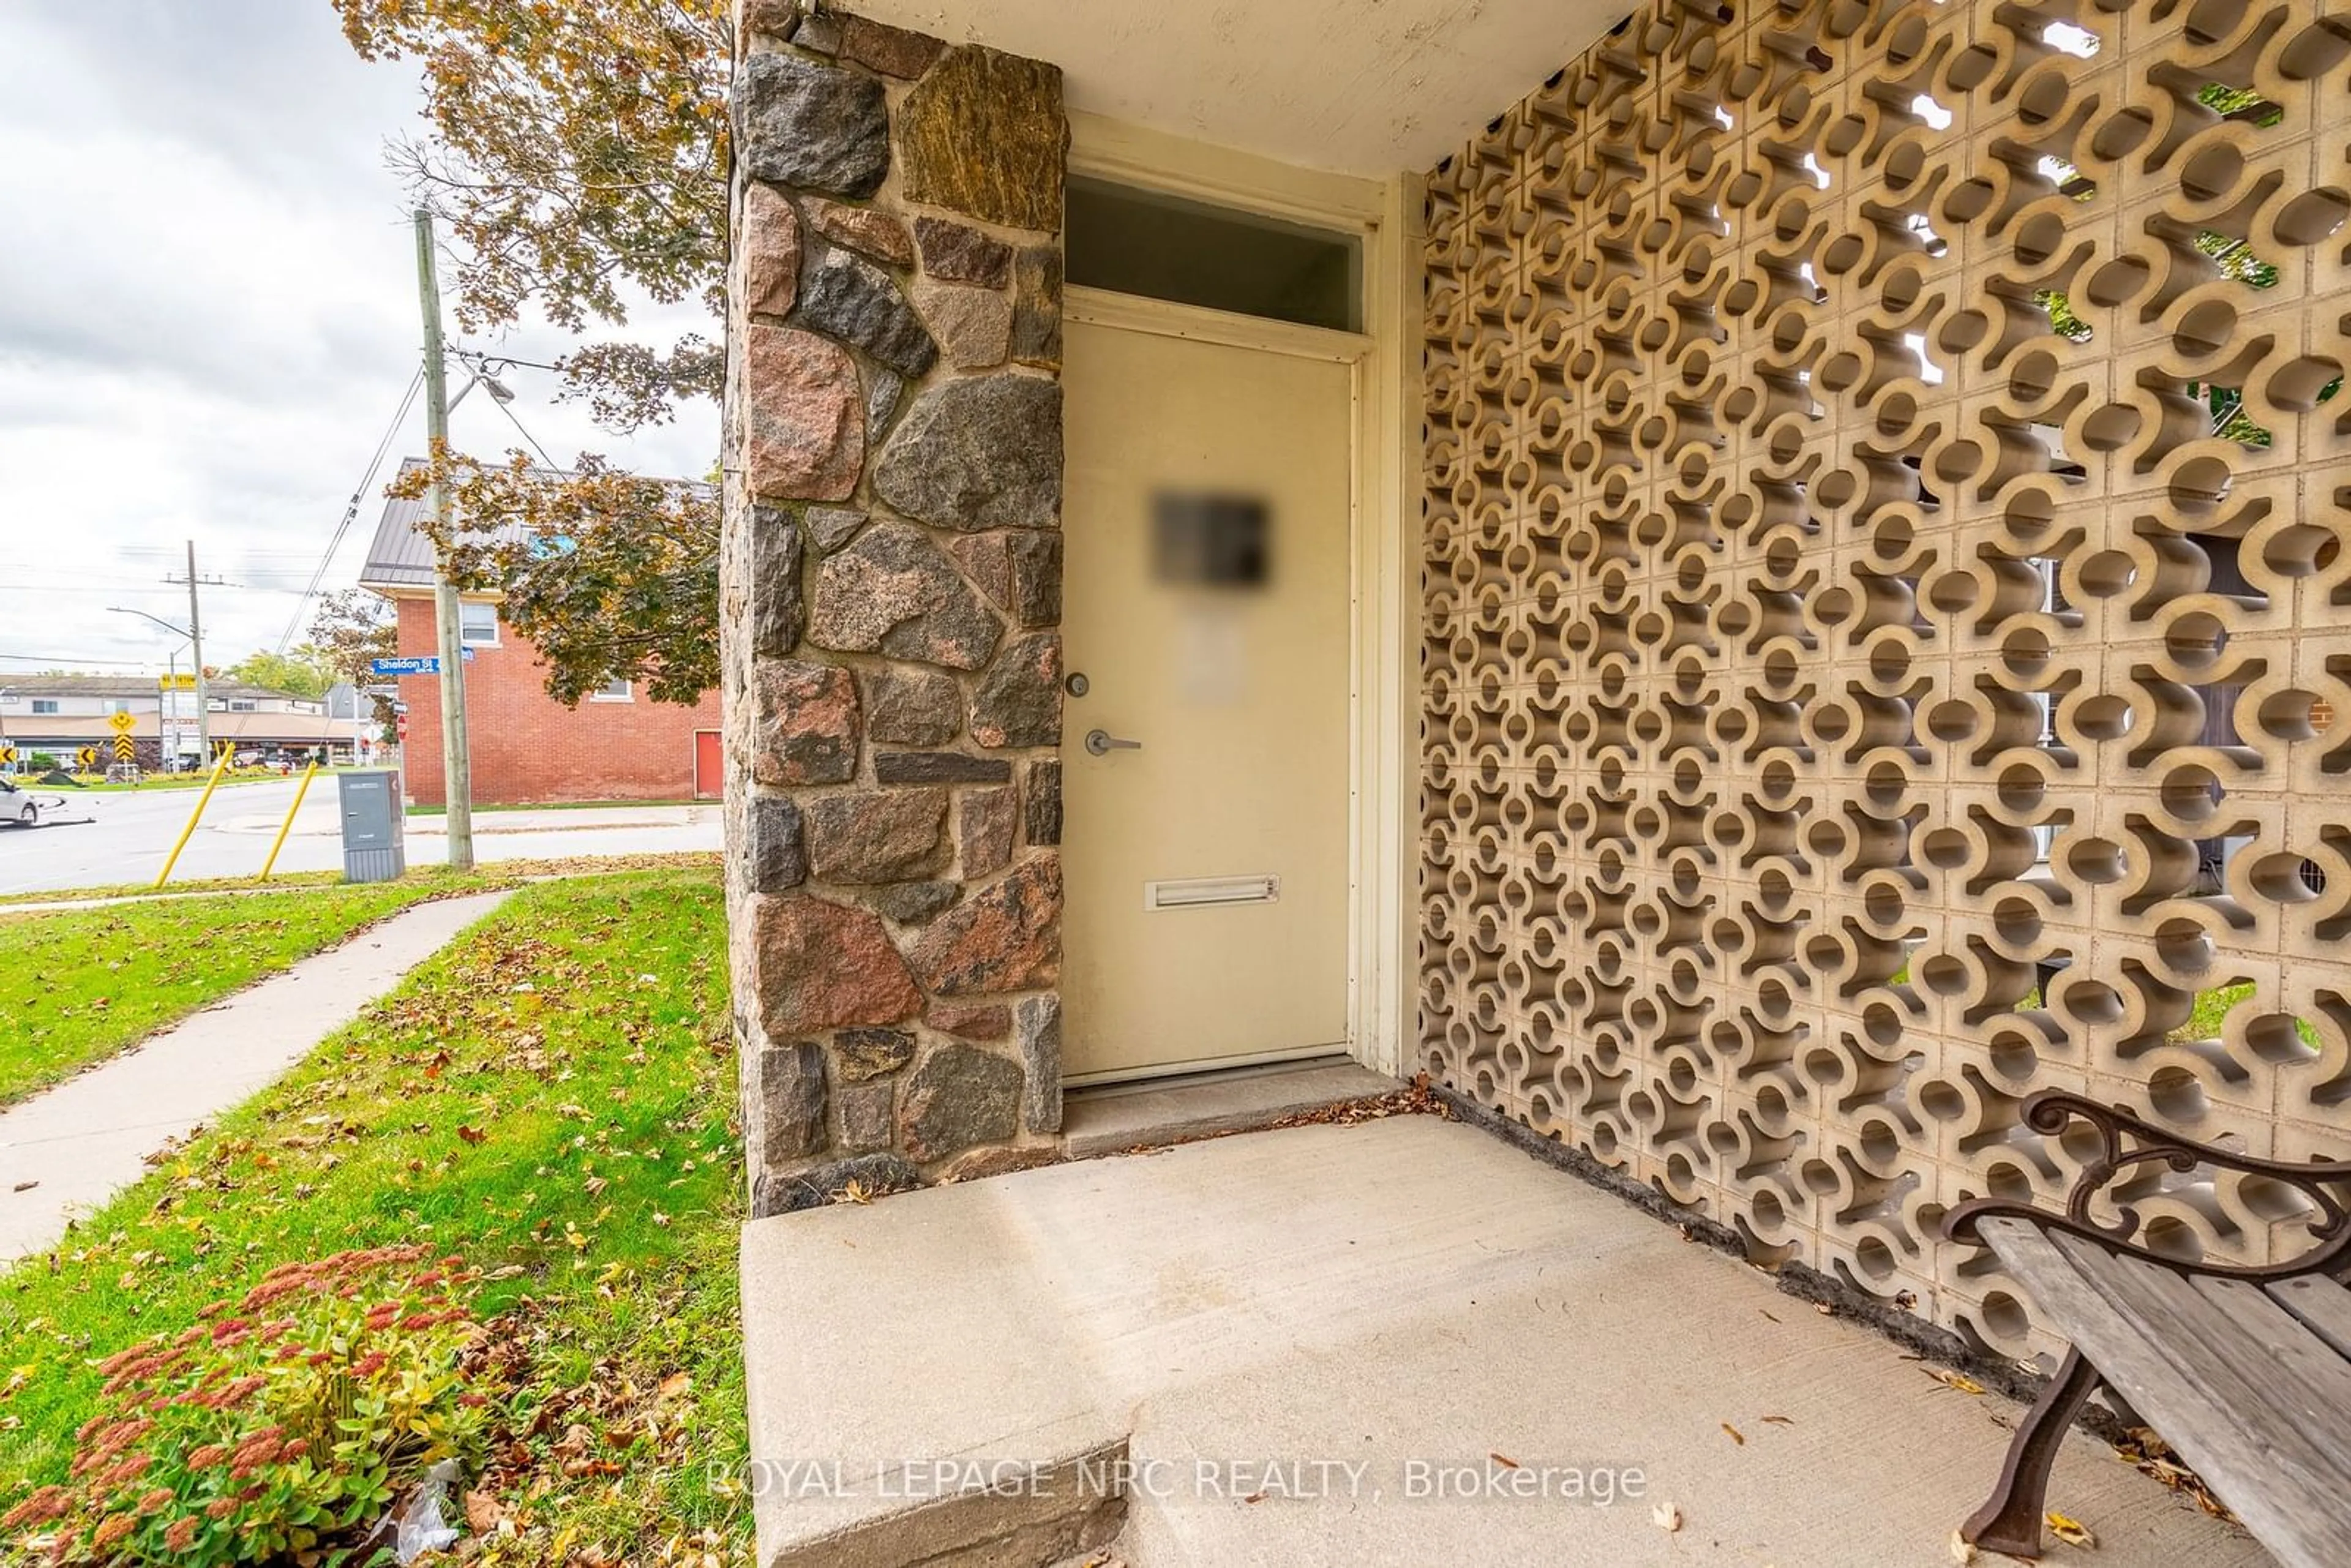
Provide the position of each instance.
(373, 844)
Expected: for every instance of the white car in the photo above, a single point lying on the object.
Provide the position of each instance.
(18, 808)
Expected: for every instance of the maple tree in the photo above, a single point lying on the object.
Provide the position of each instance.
(350, 631)
(576, 155)
(608, 573)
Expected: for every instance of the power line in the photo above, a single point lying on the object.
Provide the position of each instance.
(351, 510)
(76, 659)
(527, 435)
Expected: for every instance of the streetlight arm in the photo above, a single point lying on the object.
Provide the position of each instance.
(166, 625)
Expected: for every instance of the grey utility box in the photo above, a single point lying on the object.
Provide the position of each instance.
(373, 847)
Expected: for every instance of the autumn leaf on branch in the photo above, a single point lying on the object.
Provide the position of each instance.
(610, 575)
(576, 155)
(574, 149)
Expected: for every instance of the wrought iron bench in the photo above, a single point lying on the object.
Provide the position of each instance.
(2244, 1370)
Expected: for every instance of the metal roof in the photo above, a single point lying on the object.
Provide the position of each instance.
(399, 555)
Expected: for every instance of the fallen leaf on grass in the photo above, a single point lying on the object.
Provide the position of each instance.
(1667, 1517)
(1736, 1436)
(473, 1134)
(483, 1512)
(2072, 1531)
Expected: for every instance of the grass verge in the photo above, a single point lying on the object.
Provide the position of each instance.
(556, 806)
(496, 874)
(78, 985)
(550, 1097)
(164, 781)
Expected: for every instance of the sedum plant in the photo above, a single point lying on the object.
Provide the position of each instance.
(275, 1425)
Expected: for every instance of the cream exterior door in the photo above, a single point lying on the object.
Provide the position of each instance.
(1206, 867)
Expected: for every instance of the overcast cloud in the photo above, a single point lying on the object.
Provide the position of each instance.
(207, 318)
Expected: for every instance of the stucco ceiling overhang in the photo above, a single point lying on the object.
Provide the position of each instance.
(1361, 86)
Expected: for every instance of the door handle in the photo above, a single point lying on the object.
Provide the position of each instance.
(1102, 743)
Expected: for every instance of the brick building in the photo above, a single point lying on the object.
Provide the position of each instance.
(617, 745)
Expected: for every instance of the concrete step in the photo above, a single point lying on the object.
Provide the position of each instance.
(1383, 1345)
(1162, 1111)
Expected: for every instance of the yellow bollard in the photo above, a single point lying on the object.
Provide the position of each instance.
(287, 826)
(189, 831)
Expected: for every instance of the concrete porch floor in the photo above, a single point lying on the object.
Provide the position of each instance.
(1335, 1311)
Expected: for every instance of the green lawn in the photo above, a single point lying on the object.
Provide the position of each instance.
(78, 985)
(479, 808)
(154, 782)
(552, 1098)
(494, 873)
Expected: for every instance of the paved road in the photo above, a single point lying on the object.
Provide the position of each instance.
(134, 833)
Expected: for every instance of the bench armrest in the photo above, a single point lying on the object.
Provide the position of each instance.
(2126, 1144)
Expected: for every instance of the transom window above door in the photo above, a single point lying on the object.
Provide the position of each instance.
(1134, 241)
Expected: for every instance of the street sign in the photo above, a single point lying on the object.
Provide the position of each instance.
(123, 724)
(186, 682)
(86, 758)
(125, 748)
(406, 664)
(7, 754)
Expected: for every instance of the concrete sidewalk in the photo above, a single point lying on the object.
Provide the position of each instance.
(1403, 1343)
(82, 1142)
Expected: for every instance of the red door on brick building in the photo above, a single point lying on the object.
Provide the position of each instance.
(707, 758)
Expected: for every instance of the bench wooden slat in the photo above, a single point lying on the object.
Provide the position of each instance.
(2292, 1490)
(2322, 1305)
(2238, 1345)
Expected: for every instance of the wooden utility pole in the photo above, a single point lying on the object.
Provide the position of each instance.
(196, 653)
(456, 765)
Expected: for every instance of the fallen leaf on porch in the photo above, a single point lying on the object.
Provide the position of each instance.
(1781, 1420)
(1826, 1310)
(1767, 1315)
(855, 1192)
(1736, 1436)
(2150, 1455)
(1957, 1380)
(2072, 1531)
(1254, 1496)
(1962, 1549)
(1504, 1460)
(24, 1186)
(1667, 1517)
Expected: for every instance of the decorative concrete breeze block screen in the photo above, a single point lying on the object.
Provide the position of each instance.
(1886, 624)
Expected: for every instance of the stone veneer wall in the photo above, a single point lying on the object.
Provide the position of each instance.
(1768, 522)
(890, 594)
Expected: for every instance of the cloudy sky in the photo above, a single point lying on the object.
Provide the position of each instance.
(208, 316)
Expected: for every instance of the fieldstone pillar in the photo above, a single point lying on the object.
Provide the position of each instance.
(891, 588)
